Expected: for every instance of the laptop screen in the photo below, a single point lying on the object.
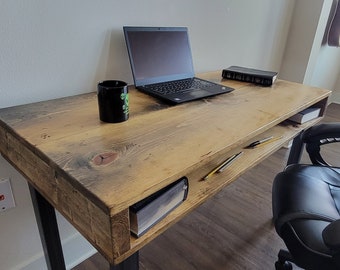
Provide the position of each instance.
(158, 54)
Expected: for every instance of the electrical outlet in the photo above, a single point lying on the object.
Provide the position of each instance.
(6, 195)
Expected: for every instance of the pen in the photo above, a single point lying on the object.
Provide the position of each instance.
(229, 161)
(222, 166)
(269, 141)
(253, 144)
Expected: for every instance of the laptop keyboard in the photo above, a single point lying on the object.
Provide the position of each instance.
(178, 86)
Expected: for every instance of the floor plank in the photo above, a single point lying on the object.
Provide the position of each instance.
(233, 230)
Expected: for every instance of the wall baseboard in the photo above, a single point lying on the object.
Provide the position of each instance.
(335, 98)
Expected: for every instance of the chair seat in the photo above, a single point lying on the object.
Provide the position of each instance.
(306, 199)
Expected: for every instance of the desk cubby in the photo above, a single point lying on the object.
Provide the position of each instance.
(200, 191)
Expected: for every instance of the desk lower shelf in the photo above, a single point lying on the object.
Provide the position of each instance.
(200, 191)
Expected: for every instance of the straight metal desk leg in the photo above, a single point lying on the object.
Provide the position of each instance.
(131, 263)
(48, 229)
(296, 150)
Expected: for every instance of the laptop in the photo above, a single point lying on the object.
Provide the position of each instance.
(162, 66)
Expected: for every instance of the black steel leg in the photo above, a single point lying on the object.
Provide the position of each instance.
(296, 150)
(50, 239)
(131, 263)
(48, 229)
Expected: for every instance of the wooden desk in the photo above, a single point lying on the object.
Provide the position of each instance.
(91, 172)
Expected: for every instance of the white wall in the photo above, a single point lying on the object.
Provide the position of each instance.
(307, 58)
(51, 49)
(336, 94)
(58, 48)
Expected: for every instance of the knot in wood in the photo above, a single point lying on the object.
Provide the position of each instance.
(104, 158)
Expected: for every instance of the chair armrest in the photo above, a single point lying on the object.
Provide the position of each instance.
(331, 235)
(319, 135)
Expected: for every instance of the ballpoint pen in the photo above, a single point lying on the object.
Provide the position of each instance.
(253, 144)
(268, 141)
(229, 161)
(222, 166)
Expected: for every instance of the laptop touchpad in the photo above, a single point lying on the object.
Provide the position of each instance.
(192, 94)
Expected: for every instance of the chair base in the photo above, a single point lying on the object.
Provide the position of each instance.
(284, 259)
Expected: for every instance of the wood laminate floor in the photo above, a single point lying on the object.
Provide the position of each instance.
(232, 231)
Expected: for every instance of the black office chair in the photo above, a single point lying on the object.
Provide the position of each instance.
(306, 204)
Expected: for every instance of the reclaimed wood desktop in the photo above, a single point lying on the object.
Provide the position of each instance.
(91, 172)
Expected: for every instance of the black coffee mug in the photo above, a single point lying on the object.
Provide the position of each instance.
(113, 101)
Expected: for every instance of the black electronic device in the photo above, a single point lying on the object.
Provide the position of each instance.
(162, 65)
